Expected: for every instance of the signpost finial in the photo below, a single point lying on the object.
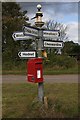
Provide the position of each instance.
(39, 7)
(39, 15)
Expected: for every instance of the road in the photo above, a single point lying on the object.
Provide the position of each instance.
(73, 78)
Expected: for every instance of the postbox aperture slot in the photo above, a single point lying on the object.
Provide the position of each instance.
(38, 63)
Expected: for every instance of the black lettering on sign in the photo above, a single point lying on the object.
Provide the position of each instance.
(31, 31)
(52, 44)
(27, 54)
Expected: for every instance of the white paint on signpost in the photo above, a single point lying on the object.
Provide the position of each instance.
(28, 30)
(20, 36)
(51, 34)
(53, 44)
(28, 54)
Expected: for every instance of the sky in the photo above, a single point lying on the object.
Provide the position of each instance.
(62, 12)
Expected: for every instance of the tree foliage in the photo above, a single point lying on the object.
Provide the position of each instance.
(71, 48)
(12, 20)
(52, 25)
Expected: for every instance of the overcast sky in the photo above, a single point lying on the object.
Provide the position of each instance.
(63, 12)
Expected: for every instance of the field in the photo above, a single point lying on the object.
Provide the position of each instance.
(20, 101)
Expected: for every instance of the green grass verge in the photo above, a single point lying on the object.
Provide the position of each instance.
(61, 71)
(20, 101)
(47, 71)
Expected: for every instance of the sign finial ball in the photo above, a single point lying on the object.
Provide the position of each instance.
(39, 6)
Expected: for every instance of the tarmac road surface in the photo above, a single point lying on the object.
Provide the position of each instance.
(71, 78)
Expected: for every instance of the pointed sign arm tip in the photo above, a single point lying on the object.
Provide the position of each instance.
(33, 18)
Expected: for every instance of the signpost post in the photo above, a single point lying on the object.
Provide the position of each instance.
(41, 84)
(39, 24)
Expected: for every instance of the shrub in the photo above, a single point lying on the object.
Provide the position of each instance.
(60, 61)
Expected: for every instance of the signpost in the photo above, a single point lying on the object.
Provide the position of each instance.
(20, 36)
(44, 38)
(27, 54)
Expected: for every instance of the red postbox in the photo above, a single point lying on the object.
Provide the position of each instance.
(34, 68)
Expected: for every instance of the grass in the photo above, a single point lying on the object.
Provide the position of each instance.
(20, 101)
(61, 71)
(46, 71)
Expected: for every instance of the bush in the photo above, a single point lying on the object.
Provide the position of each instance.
(66, 61)
(60, 61)
(55, 62)
(14, 65)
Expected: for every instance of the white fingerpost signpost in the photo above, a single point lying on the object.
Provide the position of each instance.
(54, 34)
(55, 44)
(30, 31)
(20, 36)
(46, 39)
(27, 54)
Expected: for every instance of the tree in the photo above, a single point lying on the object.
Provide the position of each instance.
(13, 20)
(71, 49)
(68, 47)
(52, 25)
